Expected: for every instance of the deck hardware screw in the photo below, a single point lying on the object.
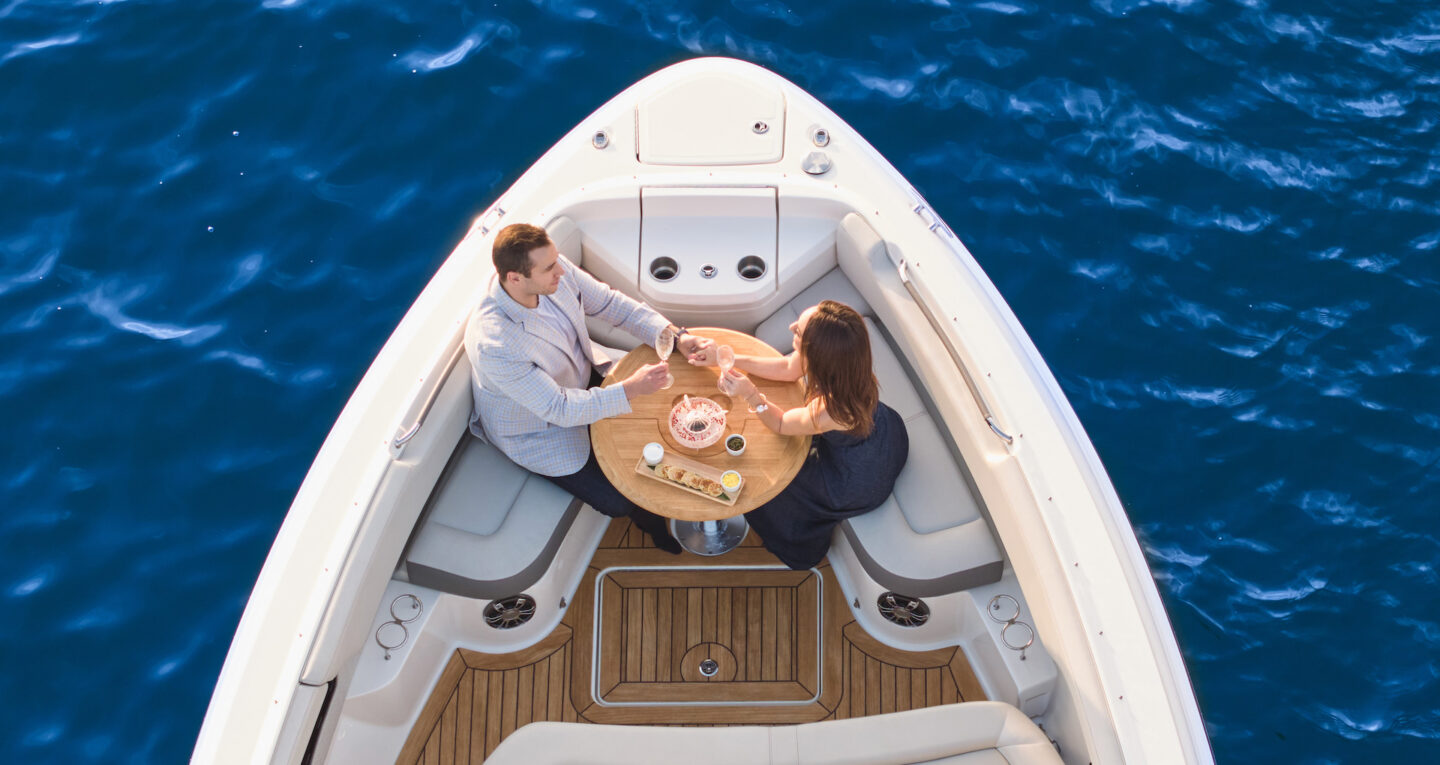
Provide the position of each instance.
(562, 601)
(820, 137)
(600, 140)
(760, 127)
(857, 602)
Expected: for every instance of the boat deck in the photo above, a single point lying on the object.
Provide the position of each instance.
(784, 645)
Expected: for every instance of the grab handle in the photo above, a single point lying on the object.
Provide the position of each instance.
(410, 432)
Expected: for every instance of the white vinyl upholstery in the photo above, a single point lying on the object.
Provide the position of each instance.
(489, 528)
(968, 733)
(930, 537)
(612, 342)
(775, 331)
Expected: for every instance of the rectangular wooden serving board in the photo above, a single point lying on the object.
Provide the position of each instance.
(692, 466)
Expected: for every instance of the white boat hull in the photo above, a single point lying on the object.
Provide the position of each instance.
(1124, 696)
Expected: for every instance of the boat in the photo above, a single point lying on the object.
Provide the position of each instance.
(426, 600)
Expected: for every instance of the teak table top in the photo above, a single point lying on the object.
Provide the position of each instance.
(770, 460)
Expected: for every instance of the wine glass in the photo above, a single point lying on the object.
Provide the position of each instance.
(725, 357)
(664, 346)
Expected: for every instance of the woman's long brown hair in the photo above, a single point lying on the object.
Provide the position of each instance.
(835, 350)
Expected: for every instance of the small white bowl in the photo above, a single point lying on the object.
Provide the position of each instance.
(734, 452)
(739, 481)
(653, 452)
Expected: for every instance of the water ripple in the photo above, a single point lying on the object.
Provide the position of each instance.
(109, 300)
(1217, 221)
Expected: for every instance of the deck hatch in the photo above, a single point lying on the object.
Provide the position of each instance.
(708, 635)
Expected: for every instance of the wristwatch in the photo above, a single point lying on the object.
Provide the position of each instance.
(680, 332)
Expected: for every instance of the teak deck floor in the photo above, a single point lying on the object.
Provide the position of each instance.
(753, 623)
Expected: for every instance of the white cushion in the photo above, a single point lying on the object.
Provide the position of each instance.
(568, 238)
(931, 490)
(476, 471)
(492, 527)
(968, 733)
(896, 389)
(560, 743)
(929, 735)
(832, 286)
(611, 336)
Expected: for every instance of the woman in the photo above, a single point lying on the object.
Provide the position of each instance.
(861, 444)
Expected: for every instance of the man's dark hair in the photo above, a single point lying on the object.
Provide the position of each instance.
(512, 248)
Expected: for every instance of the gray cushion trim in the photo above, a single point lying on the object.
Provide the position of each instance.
(962, 579)
(446, 581)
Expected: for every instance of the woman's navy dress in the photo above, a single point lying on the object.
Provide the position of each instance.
(843, 477)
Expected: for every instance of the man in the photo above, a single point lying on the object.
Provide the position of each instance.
(532, 368)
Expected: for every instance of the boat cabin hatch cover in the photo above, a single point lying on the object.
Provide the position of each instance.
(715, 119)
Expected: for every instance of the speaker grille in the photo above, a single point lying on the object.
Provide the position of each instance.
(511, 612)
(903, 609)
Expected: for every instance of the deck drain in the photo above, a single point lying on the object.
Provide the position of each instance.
(510, 612)
(709, 667)
(903, 609)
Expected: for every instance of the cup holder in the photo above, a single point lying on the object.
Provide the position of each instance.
(664, 269)
(750, 267)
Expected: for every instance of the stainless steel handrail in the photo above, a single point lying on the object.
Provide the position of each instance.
(410, 432)
(954, 352)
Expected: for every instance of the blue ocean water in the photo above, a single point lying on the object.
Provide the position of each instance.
(1218, 219)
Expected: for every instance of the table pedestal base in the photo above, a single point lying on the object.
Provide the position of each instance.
(710, 537)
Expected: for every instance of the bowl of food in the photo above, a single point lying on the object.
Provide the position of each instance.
(730, 481)
(735, 445)
(697, 422)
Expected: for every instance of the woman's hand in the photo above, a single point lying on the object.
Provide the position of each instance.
(735, 384)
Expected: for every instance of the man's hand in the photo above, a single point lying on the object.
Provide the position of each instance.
(699, 351)
(646, 380)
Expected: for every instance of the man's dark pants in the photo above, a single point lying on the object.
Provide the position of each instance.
(590, 485)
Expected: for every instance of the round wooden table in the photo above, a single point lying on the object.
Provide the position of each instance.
(702, 525)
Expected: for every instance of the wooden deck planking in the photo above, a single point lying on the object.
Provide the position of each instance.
(482, 698)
